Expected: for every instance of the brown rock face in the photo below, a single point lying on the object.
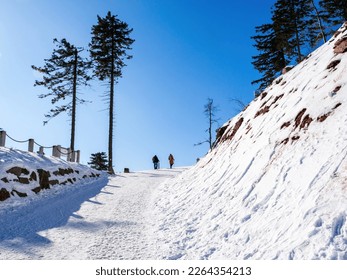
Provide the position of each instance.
(341, 45)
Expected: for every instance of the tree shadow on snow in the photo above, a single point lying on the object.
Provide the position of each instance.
(20, 227)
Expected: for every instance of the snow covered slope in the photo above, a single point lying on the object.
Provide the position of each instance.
(275, 185)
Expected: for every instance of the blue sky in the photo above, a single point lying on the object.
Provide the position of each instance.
(185, 52)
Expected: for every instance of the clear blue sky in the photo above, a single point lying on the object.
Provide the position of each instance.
(185, 52)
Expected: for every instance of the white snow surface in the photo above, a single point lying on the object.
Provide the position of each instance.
(107, 219)
(273, 187)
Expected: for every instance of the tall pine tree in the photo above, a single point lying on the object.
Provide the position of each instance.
(63, 73)
(296, 25)
(290, 19)
(271, 59)
(108, 49)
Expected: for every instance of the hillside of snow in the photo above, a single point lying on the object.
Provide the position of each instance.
(275, 185)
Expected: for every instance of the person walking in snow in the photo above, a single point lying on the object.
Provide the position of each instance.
(171, 160)
(155, 160)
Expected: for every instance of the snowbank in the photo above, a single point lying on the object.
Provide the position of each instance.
(25, 174)
(275, 186)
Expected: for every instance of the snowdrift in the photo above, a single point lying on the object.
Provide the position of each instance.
(275, 185)
(25, 174)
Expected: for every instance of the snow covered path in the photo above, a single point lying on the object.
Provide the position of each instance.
(105, 220)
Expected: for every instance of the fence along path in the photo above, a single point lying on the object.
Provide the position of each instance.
(57, 150)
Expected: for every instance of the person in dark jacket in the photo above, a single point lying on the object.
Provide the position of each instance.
(155, 160)
(171, 160)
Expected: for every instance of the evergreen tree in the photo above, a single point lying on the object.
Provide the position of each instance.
(290, 19)
(334, 12)
(108, 49)
(63, 73)
(271, 59)
(98, 161)
(296, 25)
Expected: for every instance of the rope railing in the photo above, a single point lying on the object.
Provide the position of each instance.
(69, 152)
(51, 147)
(18, 141)
(57, 150)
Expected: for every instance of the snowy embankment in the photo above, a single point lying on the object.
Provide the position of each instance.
(24, 175)
(275, 185)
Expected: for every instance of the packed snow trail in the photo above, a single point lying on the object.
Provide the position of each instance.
(104, 220)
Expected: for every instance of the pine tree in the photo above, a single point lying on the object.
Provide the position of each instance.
(108, 49)
(296, 25)
(290, 19)
(271, 59)
(334, 12)
(98, 161)
(63, 73)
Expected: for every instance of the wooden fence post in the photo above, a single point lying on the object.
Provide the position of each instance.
(41, 152)
(2, 138)
(78, 154)
(73, 156)
(31, 145)
(56, 151)
(68, 156)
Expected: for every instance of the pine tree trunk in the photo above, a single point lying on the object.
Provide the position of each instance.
(110, 130)
(210, 128)
(74, 100)
(297, 37)
(319, 20)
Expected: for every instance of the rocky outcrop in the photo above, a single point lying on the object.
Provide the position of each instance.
(340, 45)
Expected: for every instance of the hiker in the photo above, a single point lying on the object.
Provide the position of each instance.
(171, 160)
(155, 160)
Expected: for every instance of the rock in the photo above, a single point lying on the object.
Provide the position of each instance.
(44, 178)
(20, 194)
(23, 180)
(5, 180)
(33, 176)
(18, 171)
(36, 190)
(4, 194)
(333, 64)
(341, 45)
(287, 69)
(53, 182)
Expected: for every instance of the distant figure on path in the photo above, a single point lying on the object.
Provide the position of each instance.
(155, 160)
(171, 160)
